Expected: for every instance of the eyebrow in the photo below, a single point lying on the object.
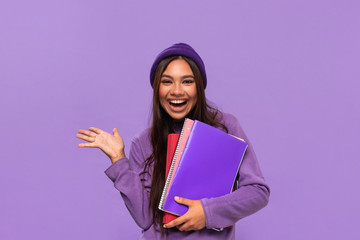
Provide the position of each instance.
(183, 77)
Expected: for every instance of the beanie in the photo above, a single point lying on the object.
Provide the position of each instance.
(179, 49)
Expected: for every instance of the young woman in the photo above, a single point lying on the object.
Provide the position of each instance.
(178, 79)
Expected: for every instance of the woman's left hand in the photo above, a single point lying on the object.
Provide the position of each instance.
(193, 219)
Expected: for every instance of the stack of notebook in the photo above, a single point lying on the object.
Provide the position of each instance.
(173, 139)
(202, 162)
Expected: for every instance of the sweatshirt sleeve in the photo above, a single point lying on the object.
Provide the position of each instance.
(134, 187)
(252, 192)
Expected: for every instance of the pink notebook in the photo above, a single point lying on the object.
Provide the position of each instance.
(178, 153)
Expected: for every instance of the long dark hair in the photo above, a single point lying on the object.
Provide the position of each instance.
(162, 125)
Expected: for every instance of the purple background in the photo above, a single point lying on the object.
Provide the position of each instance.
(289, 71)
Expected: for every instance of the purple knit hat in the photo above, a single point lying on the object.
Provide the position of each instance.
(181, 49)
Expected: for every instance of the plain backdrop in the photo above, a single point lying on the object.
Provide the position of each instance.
(288, 70)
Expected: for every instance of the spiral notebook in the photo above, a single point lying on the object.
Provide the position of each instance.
(172, 141)
(205, 165)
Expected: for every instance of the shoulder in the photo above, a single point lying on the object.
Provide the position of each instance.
(228, 119)
(142, 136)
(140, 149)
(232, 123)
(142, 142)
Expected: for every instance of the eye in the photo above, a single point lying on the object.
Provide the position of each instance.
(188, 81)
(166, 81)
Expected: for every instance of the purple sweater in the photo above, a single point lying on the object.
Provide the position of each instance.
(251, 194)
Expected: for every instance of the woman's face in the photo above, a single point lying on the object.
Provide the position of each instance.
(177, 91)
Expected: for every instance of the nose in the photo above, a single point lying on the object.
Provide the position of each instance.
(177, 89)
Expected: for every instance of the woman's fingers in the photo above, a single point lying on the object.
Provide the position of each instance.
(111, 144)
(116, 132)
(96, 130)
(86, 138)
(184, 227)
(176, 222)
(91, 145)
(193, 219)
(88, 133)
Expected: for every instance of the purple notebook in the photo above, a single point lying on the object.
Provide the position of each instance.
(207, 168)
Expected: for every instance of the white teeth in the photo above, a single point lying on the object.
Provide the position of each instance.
(177, 101)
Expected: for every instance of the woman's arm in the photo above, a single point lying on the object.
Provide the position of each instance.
(252, 195)
(127, 178)
(124, 172)
(252, 192)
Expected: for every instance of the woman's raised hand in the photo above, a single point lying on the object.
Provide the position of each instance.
(112, 145)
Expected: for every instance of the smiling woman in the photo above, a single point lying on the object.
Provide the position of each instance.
(177, 90)
(179, 80)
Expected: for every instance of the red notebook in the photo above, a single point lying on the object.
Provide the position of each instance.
(173, 139)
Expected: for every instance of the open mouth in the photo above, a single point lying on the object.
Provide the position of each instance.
(177, 103)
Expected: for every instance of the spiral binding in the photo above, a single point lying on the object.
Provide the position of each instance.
(171, 170)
